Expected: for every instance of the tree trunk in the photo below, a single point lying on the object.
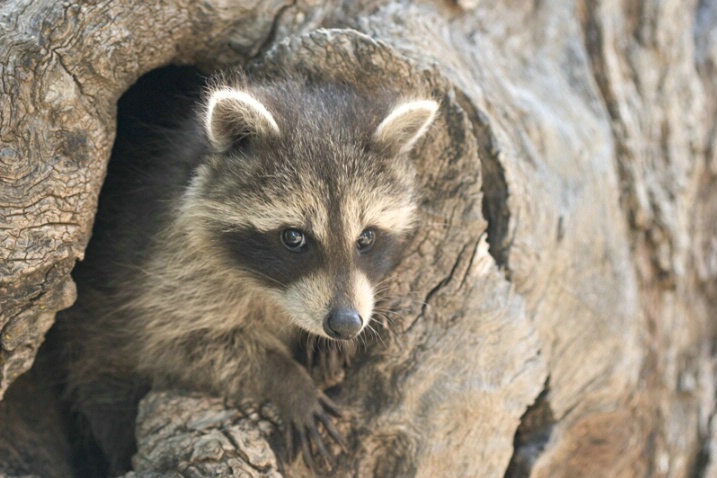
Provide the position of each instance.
(555, 315)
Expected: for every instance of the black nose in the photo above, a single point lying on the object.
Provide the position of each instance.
(343, 324)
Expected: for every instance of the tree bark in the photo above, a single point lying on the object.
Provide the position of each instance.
(555, 315)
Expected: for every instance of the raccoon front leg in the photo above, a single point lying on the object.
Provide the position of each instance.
(302, 405)
(254, 365)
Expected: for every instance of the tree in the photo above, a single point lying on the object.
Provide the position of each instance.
(556, 313)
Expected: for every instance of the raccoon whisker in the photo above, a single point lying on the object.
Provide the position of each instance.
(376, 334)
(319, 344)
(405, 298)
(379, 312)
(386, 326)
(354, 343)
(383, 308)
(389, 323)
(311, 341)
(386, 322)
(411, 293)
(324, 346)
(380, 290)
(383, 281)
(387, 312)
(362, 339)
(346, 346)
(383, 286)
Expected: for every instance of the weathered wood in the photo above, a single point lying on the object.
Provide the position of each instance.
(556, 313)
(197, 436)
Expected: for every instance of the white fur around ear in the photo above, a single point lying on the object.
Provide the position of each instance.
(405, 125)
(232, 115)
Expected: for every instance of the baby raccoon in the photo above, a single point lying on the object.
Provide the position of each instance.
(277, 210)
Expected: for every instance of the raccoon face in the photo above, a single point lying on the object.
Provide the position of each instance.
(308, 195)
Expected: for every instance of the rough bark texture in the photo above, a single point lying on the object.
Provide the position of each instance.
(192, 435)
(556, 313)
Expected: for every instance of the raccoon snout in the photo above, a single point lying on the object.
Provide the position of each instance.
(343, 324)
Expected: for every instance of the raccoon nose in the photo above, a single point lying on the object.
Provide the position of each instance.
(343, 324)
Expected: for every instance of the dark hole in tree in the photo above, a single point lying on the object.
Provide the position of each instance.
(532, 435)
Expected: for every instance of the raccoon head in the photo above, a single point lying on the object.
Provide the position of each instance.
(308, 195)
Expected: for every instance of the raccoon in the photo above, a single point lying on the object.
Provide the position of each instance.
(271, 215)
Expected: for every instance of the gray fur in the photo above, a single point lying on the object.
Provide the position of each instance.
(171, 293)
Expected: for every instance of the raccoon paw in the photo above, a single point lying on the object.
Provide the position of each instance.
(302, 430)
(327, 364)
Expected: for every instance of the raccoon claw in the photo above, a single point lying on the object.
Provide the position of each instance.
(315, 438)
(327, 364)
(328, 405)
(308, 435)
(333, 432)
(309, 438)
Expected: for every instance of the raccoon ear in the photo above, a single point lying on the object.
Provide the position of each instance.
(233, 115)
(405, 125)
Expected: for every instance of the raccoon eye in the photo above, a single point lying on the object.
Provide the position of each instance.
(293, 239)
(366, 240)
